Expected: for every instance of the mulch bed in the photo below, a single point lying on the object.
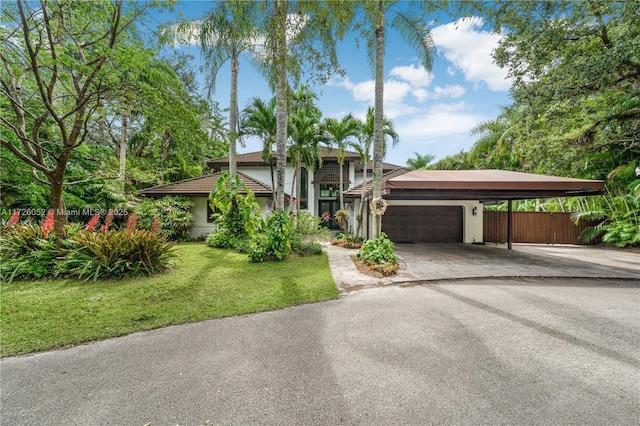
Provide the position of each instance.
(365, 269)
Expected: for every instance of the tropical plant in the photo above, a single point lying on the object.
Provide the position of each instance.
(173, 216)
(259, 119)
(26, 252)
(275, 242)
(116, 254)
(339, 132)
(364, 149)
(377, 253)
(413, 30)
(304, 138)
(420, 162)
(225, 33)
(237, 212)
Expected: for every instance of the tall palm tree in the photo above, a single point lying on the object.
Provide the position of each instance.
(339, 132)
(259, 119)
(304, 136)
(225, 33)
(366, 141)
(414, 31)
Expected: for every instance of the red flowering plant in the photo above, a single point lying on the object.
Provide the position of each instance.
(107, 221)
(93, 222)
(15, 217)
(131, 222)
(47, 225)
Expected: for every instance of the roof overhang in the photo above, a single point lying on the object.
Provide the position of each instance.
(484, 185)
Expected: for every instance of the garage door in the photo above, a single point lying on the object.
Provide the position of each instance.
(423, 223)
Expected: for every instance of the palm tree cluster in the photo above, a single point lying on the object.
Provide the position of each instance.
(233, 28)
(307, 130)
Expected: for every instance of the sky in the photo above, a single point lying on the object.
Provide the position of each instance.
(433, 112)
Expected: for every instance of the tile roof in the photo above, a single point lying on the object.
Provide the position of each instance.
(356, 191)
(204, 184)
(255, 158)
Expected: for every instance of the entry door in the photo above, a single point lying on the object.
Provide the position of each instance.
(331, 207)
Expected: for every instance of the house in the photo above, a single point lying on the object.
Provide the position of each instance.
(423, 205)
(319, 189)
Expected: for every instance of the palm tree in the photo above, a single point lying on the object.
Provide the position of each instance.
(259, 119)
(420, 162)
(304, 136)
(414, 32)
(366, 140)
(339, 132)
(226, 32)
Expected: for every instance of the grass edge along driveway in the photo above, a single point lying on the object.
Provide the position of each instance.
(206, 283)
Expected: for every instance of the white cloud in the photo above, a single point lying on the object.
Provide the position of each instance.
(440, 121)
(469, 49)
(416, 76)
(448, 91)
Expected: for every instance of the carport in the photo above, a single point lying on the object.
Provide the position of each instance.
(445, 205)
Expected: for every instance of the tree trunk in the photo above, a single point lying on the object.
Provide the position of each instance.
(166, 138)
(362, 200)
(296, 206)
(56, 186)
(233, 114)
(340, 163)
(123, 151)
(280, 11)
(378, 121)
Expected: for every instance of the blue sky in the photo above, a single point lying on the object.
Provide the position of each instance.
(433, 112)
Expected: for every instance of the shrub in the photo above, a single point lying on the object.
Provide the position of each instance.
(307, 223)
(275, 243)
(173, 215)
(307, 248)
(26, 253)
(114, 254)
(378, 254)
(238, 211)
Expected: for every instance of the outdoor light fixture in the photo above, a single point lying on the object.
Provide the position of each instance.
(474, 211)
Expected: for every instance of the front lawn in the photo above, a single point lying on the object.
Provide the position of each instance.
(207, 283)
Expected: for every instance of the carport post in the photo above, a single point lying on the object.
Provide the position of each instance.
(509, 224)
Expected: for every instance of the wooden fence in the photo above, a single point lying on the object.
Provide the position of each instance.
(535, 227)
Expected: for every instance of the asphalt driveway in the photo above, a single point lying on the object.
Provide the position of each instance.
(511, 351)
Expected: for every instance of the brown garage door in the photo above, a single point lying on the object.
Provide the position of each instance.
(423, 223)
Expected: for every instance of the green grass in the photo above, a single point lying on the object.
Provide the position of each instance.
(206, 283)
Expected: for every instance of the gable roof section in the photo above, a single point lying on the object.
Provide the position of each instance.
(485, 185)
(356, 191)
(204, 184)
(255, 158)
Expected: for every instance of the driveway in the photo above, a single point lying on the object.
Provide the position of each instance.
(433, 261)
(509, 351)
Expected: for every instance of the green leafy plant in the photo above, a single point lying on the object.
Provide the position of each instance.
(377, 253)
(173, 215)
(307, 223)
(341, 217)
(620, 219)
(275, 242)
(116, 253)
(305, 247)
(26, 252)
(238, 213)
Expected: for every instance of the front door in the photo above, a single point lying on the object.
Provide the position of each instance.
(331, 207)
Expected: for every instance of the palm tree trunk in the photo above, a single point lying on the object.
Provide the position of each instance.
(280, 12)
(233, 114)
(340, 180)
(362, 200)
(378, 121)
